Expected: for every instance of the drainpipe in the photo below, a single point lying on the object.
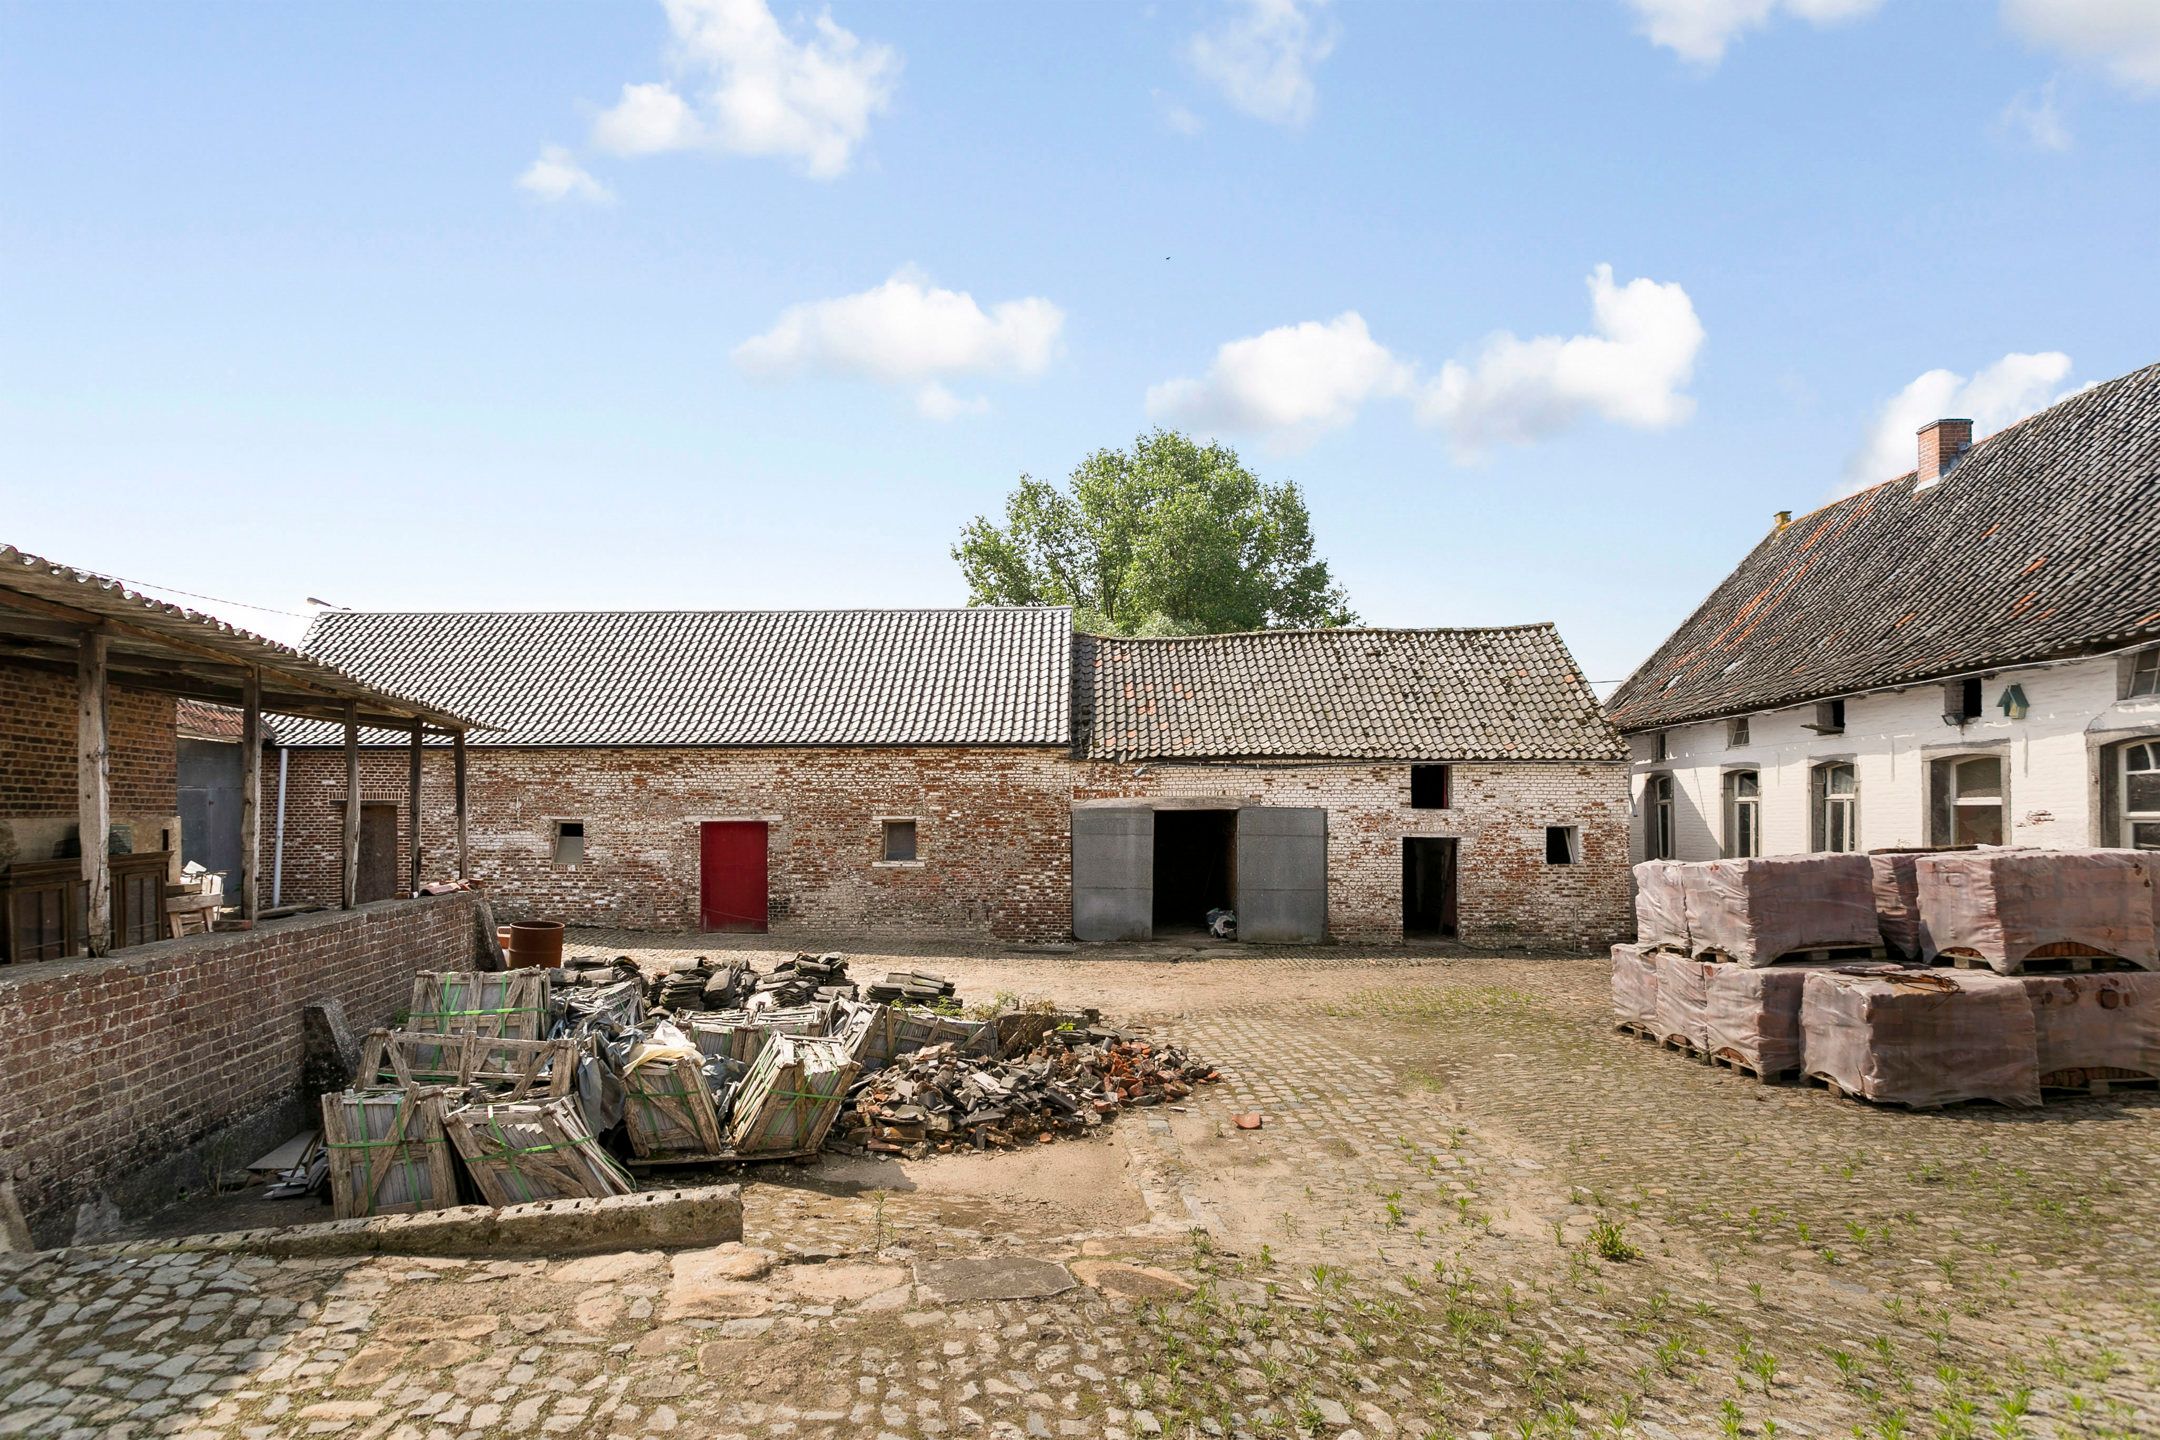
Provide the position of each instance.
(277, 854)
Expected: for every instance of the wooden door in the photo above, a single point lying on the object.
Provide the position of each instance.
(732, 875)
(378, 854)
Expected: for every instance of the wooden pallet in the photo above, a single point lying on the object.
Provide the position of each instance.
(2098, 1080)
(2081, 963)
(1844, 954)
(716, 1158)
(1739, 1066)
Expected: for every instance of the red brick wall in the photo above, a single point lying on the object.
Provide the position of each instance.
(1507, 893)
(112, 1064)
(38, 747)
(993, 833)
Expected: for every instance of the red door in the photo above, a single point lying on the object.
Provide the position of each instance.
(731, 875)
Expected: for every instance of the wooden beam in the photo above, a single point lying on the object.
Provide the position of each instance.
(349, 896)
(457, 761)
(93, 787)
(412, 809)
(250, 793)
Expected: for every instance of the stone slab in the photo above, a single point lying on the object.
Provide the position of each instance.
(996, 1278)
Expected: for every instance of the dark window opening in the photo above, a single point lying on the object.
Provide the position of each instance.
(1195, 867)
(1660, 749)
(1428, 887)
(1430, 787)
(1962, 700)
(569, 842)
(1829, 717)
(1563, 844)
(899, 839)
(1663, 844)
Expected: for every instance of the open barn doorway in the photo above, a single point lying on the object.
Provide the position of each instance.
(1428, 888)
(1195, 868)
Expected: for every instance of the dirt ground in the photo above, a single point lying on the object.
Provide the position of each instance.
(1473, 1209)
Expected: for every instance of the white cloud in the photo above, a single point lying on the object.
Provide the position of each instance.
(2033, 117)
(556, 175)
(1261, 54)
(745, 86)
(905, 332)
(2122, 36)
(2008, 390)
(1699, 30)
(1631, 371)
(1296, 379)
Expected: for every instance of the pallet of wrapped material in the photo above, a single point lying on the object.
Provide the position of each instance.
(668, 1108)
(506, 1069)
(1660, 905)
(1920, 1038)
(388, 1153)
(500, 1004)
(1760, 909)
(739, 1035)
(2006, 907)
(2095, 1027)
(1634, 987)
(1895, 879)
(1751, 1016)
(1681, 1007)
(791, 1096)
(529, 1150)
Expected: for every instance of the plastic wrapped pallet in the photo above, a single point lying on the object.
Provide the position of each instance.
(1681, 1008)
(1759, 909)
(1752, 1015)
(1896, 881)
(1634, 986)
(1660, 904)
(2096, 1027)
(1921, 1037)
(2009, 906)
(502, 1005)
(534, 1150)
(668, 1107)
(791, 1096)
(388, 1154)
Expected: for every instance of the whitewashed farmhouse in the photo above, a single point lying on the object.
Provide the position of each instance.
(1967, 654)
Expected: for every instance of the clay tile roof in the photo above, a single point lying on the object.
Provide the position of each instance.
(2043, 541)
(985, 676)
(200, 720)
(1499, 694)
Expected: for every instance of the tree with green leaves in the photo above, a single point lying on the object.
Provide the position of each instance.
(1169, 538)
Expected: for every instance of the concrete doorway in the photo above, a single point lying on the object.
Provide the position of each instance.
(1195, 868)
(1428, 888)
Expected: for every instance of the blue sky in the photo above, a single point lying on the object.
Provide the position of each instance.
(417, 306)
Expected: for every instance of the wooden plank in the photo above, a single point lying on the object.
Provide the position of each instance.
(412, 812)
(457, 757)
(93, 792)
(250, 793)
(351, 891)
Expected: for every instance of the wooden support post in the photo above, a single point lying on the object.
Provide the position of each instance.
(412, 810)
(93, 788)
(351, 848)
(457, 760)
(250, 792)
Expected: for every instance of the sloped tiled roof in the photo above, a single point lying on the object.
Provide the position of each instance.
(200, 720)
(2042, 541)
(725, 678)
(1499, 694)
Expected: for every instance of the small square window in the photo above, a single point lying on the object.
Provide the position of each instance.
(2144, 674)
(1659, 748)
(899, 839)
(569, 842)
(1563, 845)
(1736, 733)
(1429, 786)
(1962, 700)
(1829, 717)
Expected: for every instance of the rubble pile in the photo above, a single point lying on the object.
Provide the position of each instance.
(938, 1099)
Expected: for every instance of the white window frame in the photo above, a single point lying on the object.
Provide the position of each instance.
(1738, 732)
(1737, 805)
(2141, 675)
(1828, 804)
(2149, 752)
(1951, 764)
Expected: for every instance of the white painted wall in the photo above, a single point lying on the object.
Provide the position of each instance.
(2054, 756)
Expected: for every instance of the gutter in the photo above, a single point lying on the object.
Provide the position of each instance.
(277, 853)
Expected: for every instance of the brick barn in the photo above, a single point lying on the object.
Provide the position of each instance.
(986, 773)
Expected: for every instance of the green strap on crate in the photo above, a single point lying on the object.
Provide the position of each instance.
(396, 1140)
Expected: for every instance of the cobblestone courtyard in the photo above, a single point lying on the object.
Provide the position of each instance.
(1473, 1210)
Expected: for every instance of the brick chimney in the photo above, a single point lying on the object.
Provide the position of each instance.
(1941, 443)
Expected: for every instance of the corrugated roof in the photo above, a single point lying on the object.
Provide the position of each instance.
(1497, 694)
(988, 676)
(2042, 541)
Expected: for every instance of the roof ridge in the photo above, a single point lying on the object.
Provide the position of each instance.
(1330, 630)
(725, 610)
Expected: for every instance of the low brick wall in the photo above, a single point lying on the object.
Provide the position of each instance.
(113, 1070)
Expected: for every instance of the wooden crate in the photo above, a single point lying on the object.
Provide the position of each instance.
(792, 1095)
(502, 1005)
(388, 1152)
(529, 1150)
(506, 1069)
(668, 1109)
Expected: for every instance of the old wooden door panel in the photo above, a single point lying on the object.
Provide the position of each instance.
(732, 875)
(1113, 872)
(1282, 874)
(378, 854)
